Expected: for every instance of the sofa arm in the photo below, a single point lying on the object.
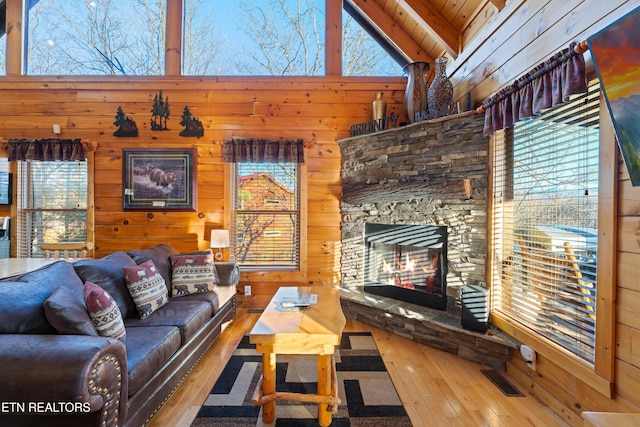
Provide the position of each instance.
(228, 272)
(75, 373)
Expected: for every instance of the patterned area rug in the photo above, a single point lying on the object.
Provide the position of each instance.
(365, 388)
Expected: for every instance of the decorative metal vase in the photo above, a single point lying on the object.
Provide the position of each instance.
(378, 107)
(415, 95)
(441, 91)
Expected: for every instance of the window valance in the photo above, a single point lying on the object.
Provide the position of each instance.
(549, 84)
(46, 150)
(263, 151)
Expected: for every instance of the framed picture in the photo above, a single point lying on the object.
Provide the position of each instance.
(616, 55)
(159, 179)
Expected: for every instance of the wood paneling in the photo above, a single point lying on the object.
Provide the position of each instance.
(498, 47)
(524, 34)
(318, 110)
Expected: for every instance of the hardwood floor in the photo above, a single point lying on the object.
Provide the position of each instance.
(436, 388)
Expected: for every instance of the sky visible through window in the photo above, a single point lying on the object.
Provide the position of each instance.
(221, 37)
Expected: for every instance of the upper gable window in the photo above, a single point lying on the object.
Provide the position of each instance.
(3, 39)
(3, 54)
(275, 38)
(96, 37)
(362, 55)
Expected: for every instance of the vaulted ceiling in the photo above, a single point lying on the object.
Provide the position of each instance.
(421, 30)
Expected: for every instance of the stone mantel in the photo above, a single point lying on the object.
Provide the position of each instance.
(431, 159)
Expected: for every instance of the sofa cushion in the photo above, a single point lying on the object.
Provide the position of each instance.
(23, 297)
(107, 273)
(216, 299)
(67, 313)
(147, 287)
(159, 254)
(104, 312)
(147, 350)
(188, 316)
(192, 274)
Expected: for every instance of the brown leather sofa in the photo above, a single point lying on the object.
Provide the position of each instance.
(49, 379)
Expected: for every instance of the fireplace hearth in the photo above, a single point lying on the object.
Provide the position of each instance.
(407, 263)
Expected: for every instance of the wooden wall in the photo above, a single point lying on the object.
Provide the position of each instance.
(321, 110)
(521, 36)
(318, 110)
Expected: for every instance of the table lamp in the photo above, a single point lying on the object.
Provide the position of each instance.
(219, 240)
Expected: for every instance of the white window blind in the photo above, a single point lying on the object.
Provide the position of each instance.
(544, 218)
(52, 205)
(266, 215)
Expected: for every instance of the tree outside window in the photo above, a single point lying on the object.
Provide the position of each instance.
(235, 37)
(266, 215)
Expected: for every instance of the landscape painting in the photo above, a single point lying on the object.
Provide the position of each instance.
(616, 55)
(159, 179)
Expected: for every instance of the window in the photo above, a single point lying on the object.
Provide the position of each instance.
(106, 37)
(51, 203)
(3, 51)
(545, 224)
(364, 51)
(266, 234)
(276, 38)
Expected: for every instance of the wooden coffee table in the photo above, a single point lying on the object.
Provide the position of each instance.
(315, 329)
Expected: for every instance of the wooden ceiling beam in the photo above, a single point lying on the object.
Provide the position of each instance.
(333, 38)
(387, 26)
(499, 4)
(434, 23)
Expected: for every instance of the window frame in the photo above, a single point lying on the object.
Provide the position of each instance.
(229, 191)
(90, 211)
(600, 374)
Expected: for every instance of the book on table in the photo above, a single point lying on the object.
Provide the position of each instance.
(299, 301)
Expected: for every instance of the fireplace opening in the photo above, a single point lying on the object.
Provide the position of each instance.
(407, 263)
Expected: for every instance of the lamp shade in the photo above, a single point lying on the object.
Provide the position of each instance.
(219, 239)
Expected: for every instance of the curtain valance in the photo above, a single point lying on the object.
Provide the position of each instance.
(263, 151)
(549, 84)
(46, 150)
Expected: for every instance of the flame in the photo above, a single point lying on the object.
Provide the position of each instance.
(399, 273)
(410, 264)
(386, 267)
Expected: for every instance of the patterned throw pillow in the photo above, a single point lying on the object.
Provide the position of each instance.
(104, 312)
(147, 287)
(192, 273)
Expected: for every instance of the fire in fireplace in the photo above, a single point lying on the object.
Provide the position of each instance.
(407, 262)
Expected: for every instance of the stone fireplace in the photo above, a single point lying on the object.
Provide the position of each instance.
(431, 173)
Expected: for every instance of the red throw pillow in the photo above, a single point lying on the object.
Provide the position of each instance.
(104, 312)
(147, 287)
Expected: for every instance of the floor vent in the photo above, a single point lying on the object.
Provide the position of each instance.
(501, 382)
(255, 310)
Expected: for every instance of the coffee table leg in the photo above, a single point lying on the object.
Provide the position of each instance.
(269, 386)
(324, 388)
